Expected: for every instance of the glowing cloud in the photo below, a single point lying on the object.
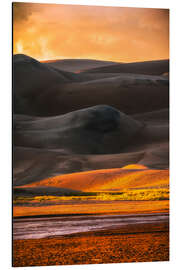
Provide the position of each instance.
(47, 31)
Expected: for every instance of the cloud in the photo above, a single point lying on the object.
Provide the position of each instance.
(21, 11)
(47, 31)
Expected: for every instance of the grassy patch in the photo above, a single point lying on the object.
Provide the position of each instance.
(126, 195)
(137, 195)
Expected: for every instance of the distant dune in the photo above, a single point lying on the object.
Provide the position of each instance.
(81, 124)
(148, 67)
(32, 78)
(51, 91)
(77, 65)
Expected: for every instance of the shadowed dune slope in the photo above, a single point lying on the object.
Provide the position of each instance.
(51, 91)
(31, 78)
(130, 95)
(77, 65)
(27, 69)
(108, 180)
(87, 140)
(66, 140)
(47, 191)
(106, 130)
(159, 116)
(32, 164)
(148, 67)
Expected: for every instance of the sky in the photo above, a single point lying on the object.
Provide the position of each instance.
(56, 31)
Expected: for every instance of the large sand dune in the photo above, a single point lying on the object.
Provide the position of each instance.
(51, 91)
(63, 132)
(106, 131)
(31, 78)
(33, 164)
(108, 180)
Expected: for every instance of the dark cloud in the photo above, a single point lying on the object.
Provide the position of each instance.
(21, 11)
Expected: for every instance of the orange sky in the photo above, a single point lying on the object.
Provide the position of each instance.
(50, 31)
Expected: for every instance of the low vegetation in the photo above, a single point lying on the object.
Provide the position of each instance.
(129, 195)
(137, 195)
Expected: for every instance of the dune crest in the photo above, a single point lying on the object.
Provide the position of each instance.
(134, 167)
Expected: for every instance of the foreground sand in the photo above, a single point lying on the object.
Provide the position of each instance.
(139, 243)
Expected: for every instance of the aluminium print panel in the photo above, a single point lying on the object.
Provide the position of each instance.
(90, 134)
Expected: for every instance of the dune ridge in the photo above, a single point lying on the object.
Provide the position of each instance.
(87, 125)
(54, 91)
(107, 179)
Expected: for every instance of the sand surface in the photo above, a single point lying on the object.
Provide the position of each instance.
(92, 207)
(36, 228)
(140, 243)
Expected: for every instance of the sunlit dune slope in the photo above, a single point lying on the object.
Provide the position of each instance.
(134, 167)
(52, 163)
(108, 180)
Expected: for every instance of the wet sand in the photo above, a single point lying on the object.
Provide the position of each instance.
(45, 227)
(132, 243)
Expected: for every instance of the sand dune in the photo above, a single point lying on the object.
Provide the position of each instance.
(37, 74)
(65, 135)
(119, 92)
(108, 180)
(31, 78)
(52, 163)
(147, 67)
(159, 116)
(126, 79)
(106, 130)
(150, 94)
(77, 65)
(88, 140)
(51, 91)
